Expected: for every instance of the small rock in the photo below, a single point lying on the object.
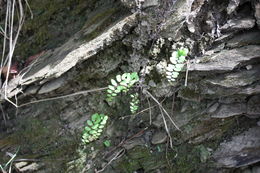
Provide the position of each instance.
(249, 67)
(52, 85)
(30, 168)
(159, 137)
(19, 165)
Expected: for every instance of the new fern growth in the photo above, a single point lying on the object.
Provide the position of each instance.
(122, 84)
(177, 59)
(94, 127)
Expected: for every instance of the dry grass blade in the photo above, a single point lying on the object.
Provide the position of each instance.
(10, 39)
(166, 127)
(8, 165)
(2, 169)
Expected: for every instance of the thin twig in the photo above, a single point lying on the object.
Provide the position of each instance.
(10, 101)
(124, 141)
(3, 33)
(10, 161)
(117, 156)
(145, 91)
(64, 96)
(29, 8)
(2, 169)
(166, 127)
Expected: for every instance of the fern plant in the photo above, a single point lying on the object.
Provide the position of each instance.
(177, 59)
(134, 102)
(94, 127)
(122, 83)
